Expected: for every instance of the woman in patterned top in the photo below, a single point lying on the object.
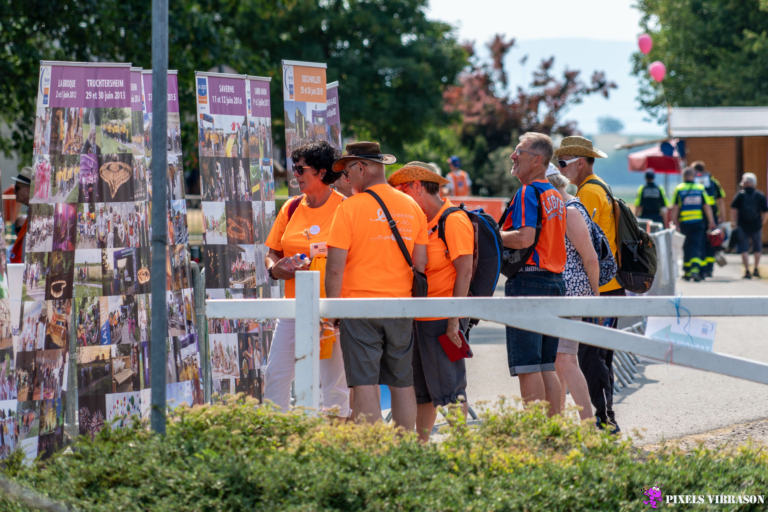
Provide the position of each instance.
(582, 279)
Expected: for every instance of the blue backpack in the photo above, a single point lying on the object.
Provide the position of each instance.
(486, 260)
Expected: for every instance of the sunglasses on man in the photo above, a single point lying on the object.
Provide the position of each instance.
(566, 163)
(345, 171)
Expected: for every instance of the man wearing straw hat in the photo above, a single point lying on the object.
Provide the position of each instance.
(437, 381)
(365, 261)
(575, 158)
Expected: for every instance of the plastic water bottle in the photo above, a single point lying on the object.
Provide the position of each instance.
(297, 262)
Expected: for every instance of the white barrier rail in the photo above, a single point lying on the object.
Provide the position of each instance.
(543, 315)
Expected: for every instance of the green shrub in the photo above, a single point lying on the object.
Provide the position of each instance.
(238, 457)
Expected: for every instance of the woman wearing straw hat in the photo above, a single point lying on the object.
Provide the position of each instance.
(437, 381)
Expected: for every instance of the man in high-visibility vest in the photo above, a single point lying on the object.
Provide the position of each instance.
(716, 192)
(690, 203)
(651, 202)
(460, 183)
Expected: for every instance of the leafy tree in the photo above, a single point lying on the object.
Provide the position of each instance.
(608, 124)
(715, 52)
(490, 116)
(393, 63)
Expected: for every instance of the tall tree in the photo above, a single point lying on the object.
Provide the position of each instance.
(715, 51)
(393, 62)
(492, 116)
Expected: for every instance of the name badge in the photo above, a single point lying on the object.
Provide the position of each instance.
(318, 249)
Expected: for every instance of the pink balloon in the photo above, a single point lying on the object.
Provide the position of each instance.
(645, 42)
(657, 70)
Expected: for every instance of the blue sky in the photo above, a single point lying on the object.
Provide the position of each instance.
(587, 35)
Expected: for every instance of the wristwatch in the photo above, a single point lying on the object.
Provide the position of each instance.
(269, 272)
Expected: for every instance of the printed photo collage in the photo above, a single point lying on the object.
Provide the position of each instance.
(238, 207)
(88, 248)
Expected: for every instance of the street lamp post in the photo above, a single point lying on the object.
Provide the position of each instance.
(159, 208)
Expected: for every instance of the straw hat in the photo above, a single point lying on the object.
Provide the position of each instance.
(578, 146)
(363, 151)
(416, 171)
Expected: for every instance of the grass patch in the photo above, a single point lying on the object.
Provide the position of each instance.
(235, 456)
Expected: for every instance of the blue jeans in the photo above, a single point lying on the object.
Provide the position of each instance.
(756, 239)
(531, 352)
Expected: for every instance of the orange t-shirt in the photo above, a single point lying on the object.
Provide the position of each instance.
(290, 238)
(375, 265)
(460, 235)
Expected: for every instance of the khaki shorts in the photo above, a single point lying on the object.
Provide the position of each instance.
(377, 351)
(568, 346)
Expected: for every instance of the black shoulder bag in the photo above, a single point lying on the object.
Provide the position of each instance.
(513, 260)
(419, 288)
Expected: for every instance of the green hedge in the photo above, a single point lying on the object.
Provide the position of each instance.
(238, 457)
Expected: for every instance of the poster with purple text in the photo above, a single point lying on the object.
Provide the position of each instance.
(333, 118)
(82, 210)
(182, 371)
(237, 188)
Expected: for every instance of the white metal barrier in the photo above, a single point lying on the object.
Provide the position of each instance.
(544, 315)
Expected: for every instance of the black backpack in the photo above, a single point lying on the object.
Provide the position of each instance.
(636, 250)
(486, 261)
(513, 260)
(749, 211)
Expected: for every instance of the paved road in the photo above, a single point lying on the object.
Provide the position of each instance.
(666, 401)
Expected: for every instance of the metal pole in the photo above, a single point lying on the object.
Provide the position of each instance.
(159, 209)
(202, 329)
(70, 418)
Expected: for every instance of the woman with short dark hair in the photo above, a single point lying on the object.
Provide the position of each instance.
(303, 221)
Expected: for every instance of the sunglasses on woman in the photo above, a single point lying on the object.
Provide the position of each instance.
(299, 169)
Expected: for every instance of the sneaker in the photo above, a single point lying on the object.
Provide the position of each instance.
(613, 427)
(756, 273)
(747, 275)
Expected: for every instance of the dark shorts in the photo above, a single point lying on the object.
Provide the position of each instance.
(531, 352)
(755, 239)
(377, 351)
(436, 379)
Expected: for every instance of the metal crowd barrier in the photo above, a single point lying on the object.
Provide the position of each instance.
(625, 363)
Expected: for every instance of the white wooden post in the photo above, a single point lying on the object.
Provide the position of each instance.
(308, 339)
